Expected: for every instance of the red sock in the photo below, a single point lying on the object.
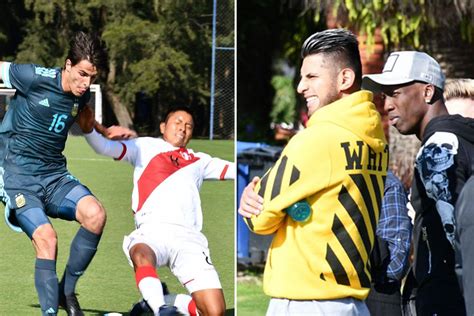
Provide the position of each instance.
(150, 287)
(192, 308)
(144, 272)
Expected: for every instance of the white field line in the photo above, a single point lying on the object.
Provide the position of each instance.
(91, 159)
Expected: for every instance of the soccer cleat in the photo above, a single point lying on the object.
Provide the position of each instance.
(167, 310)
(140, 308)
(70, 304)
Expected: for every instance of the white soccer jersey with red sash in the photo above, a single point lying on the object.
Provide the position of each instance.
(166, 179)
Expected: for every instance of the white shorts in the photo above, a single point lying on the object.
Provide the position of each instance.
(183, 250)
(337, 307)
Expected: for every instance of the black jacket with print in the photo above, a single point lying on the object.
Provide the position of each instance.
(440, 173)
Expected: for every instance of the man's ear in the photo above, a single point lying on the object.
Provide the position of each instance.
(346, 79)
(68, 65)
(429, 93)
(162, 127)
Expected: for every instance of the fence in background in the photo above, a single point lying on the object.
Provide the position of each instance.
(222, 102)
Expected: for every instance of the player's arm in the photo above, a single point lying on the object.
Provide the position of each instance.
(87, 123)
(98, 142)
(103, 146)
(218, 169)
(293, 178)
(18, 76)
(115, 132)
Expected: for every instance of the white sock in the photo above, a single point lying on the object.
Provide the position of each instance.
(152, 293)
(182, 302)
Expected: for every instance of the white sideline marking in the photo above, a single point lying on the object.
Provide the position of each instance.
(92, 159)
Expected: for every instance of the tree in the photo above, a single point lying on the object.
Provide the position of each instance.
(400, 21)
(10, 24)
(266, 32)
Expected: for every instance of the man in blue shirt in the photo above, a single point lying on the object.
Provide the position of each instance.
(36, 180)
(389, 257)
(395, 227)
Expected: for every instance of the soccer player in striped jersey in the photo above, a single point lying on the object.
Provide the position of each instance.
(167, 210)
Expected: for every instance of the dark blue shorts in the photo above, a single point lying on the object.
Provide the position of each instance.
(32, 198)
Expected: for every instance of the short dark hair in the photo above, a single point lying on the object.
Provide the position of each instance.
(339, 44)
(88, 47)
(175, 109)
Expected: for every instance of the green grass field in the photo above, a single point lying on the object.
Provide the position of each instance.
(251, 301)
(108, 285)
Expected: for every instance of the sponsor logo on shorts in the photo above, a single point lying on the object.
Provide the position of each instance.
(208, 260)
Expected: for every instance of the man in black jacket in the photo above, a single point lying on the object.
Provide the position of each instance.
(459, 96)
(412, 85)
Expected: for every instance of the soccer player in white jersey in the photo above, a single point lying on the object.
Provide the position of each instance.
(167, 208)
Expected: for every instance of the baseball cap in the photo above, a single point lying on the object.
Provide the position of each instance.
(404, 67)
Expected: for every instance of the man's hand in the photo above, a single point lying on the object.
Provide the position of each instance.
(250, 202)
(116, 132)
(86, 120)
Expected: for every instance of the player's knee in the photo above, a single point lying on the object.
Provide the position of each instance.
(45, 239)
(98, 217)
(210, 302)
(93, 216)
(142, 255)
(215, 308)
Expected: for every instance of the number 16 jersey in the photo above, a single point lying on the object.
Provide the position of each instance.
(39, 117)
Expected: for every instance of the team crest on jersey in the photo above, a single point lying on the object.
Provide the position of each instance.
(75, 108)
(20, 200)
(186, 155)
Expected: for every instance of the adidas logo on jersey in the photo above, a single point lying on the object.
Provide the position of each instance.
(44, 102)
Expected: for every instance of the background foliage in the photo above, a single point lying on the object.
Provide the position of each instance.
(271, 30)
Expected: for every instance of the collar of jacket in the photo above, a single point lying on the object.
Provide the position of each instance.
(344, 106)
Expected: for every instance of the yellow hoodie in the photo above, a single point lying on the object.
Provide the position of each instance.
(338, 164)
